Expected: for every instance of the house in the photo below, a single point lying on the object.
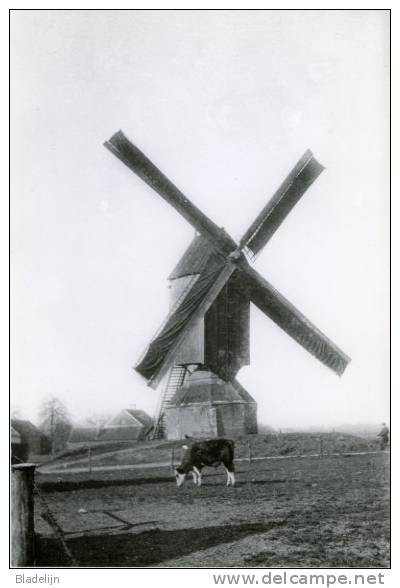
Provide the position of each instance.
(31, 440)
(16, 447)
(15, 437)
(130, 424)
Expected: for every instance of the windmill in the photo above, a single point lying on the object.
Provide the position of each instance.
(204, 340)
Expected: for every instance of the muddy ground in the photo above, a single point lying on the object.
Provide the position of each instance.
(309, 512)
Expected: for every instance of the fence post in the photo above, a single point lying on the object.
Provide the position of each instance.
(22, 509)
(321, 447)
(90, 460)
(172, 458)
(249, 448)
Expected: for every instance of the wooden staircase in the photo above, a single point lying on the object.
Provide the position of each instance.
(175, 380)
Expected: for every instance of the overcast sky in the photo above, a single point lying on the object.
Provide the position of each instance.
(225, 103)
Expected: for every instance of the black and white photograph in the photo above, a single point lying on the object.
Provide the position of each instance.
(199, 290)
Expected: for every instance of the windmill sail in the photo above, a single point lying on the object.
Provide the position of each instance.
(225, 258)
(141, 165)
(161, 352)
(285, 198)
(294, 323)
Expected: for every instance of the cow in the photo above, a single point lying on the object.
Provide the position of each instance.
(212, 452)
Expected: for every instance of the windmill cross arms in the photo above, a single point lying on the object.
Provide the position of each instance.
(141, 165)
(227, 256)
(163, 350)
(304, 173)
(292, 321)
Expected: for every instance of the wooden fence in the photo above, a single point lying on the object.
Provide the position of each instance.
(22, 523)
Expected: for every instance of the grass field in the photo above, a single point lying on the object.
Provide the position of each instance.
(297, 512)
(158, 451)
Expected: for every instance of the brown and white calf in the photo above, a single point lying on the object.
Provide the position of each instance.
(212, 453)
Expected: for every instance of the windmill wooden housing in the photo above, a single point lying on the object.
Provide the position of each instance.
(203, 397)
(204, 340)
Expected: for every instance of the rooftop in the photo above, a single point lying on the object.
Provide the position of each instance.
(205, 387)
(194, 259)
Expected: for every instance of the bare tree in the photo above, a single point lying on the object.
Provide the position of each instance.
(98, 419)
(15, 412)
(55, 423)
